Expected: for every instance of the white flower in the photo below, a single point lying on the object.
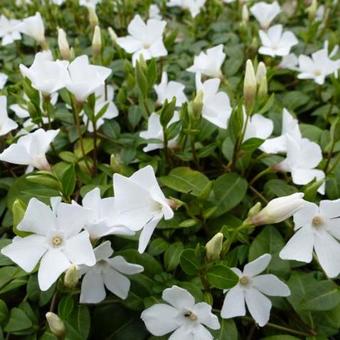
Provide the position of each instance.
(140, 203)
(46, 75)
(34, 27)
(85, 78)
(193, 6)
(3, 80)
(277, 43)
(56, 241)
(89, 3)
(265, 13)
(155, 131)
(216, 105)
(318, 66)
(279, 209)
(316, 228)
(154, 12)
(104, 97)
(144, 39)
(209, 63)
(258, 127)
(252, 290)
(168, 90)
(30, 149)
(181, 315)
(6, 124)
(290, 62)
(9, 30)
(58, 2)
(107, 272)
(102, 216)
(290, 126)
(303, 156)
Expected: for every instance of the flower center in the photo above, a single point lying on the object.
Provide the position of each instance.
(190, 315)
(57, 241)
(146, 45)
(317, 73)
(244, 280)
(317, 222)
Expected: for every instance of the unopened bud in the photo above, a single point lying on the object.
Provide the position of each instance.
(56, 325)
(116, 163)
(279, 209)
(214, 247)
(71, 277)
(250, 85)
(245, 14)
(261, 79)
(175, 203)
(197, 105)
(312, 9)
(93, 19)
(96, 41)
(254, 209)
(112, 34)
(63, 45)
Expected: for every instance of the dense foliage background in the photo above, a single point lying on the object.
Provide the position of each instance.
(212, 177)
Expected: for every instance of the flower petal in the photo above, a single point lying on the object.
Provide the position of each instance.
(124, 267)
(116, 283)
(178, 297)
(146, 234)
(258, 305)
(257, 266)
(234, 303)
(270, 285)
(204, 315)
(92, 287)
(103, 251)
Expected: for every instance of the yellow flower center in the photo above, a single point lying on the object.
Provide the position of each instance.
(244, 280)
(190, 315)
(317, 221)
(57, 241)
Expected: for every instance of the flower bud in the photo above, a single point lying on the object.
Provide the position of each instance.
(112, 34)
(63, 45)
(214, 247)
(56, 325)
(250, 85)
(279, 209)
(71, 277)
(197, 105)
(261, 79)
(93, 19)
(245, 14)
(254, 209)
(96, 41)
(312, 9)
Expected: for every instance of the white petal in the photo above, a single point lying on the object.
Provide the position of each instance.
(328, 252)
(234, 303)
(92, 287)
(330, 208)
(160, 319)
(115, 282)
(270, 285)
(178, 297)
(204, 315)
(79, 249)
(257, 266)
(146, 234)
(299, 247)
(258, 305)
(52, 265)
(304, 216)
(124, 267)
(27, 251)
(103, 251)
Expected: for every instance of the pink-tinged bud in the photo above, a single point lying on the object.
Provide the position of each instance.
(279, 209)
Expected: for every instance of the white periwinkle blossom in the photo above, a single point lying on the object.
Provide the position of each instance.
(154, 12)
(89, 3)
(251, 290)
(144, 39)
(193, 6)
(180, 315)
(209, 63)
(57, 241)
(9, 31)
(279, 209)
(317, 67)
(102, 216)
(30, 150)
(258, 127)
(85, 78)
(107, 272)
(104, 98)
(216, 105)
(34, 27)
(3, 80)
(155, 131)
(275, 42)
(45, 74)
(147, 203)
(265, 13)
(316, 228)
(167, 90)
(6, 124)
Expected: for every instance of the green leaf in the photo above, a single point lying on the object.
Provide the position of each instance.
(68, 180)
(66, 307)
(172, 256)
(157, 246)
(18, 321)
(3, 312)
(229, 190)
(228, 330)
(190, 262)
(186, 180)
(222, 277)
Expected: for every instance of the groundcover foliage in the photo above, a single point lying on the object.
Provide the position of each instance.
(164, 140)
